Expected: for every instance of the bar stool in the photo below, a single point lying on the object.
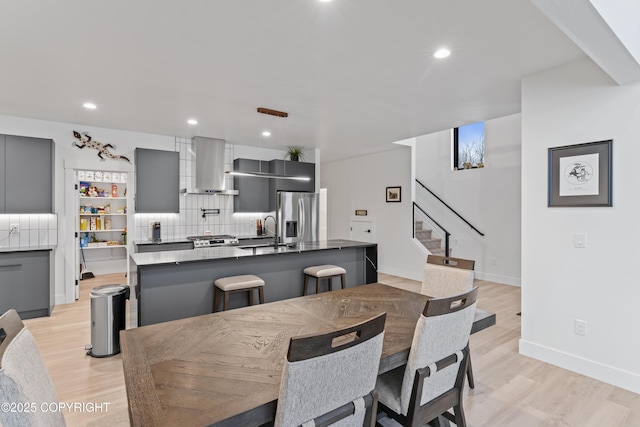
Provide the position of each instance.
(243, 283)
(322, 272)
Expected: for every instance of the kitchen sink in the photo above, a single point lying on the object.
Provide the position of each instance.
(265, 248)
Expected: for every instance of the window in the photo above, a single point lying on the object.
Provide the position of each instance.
(468, 146)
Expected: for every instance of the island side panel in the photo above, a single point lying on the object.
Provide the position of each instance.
(176, 291)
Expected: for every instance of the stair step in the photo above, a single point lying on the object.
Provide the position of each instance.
(431, 243)
(438, 251)
(419, 225)
(423, 234)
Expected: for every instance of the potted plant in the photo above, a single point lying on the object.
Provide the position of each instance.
(294, 153)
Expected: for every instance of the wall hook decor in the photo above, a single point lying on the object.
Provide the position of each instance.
(103, 149)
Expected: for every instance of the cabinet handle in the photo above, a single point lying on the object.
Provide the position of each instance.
(10, 265)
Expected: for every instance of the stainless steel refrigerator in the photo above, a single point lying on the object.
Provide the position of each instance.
(297, 217)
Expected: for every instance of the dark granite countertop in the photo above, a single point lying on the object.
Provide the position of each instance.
(161, 242)
(229, 252)
(27, 249)
(185, 240)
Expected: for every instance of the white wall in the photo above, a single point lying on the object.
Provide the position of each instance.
(573, 104)
(360, 183)
(489, 198)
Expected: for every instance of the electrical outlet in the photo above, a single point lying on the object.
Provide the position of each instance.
(580, 327)
(580, 240)
(15, 228)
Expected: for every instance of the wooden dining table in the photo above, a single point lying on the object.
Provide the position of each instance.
(224, 369)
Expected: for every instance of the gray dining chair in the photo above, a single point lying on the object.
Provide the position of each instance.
(24, 380)
(432, 381)
(445, 276)
(329, 379)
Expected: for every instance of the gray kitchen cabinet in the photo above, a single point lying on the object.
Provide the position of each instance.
(285, 167)
(162, 247)
(28, 174)
(157, 181)
(25, 283)
(253, 192)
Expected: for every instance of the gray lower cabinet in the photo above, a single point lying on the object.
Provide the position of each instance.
(25, 283)
(157, 181)
(27, 169)
(161, 247)
(253, 192)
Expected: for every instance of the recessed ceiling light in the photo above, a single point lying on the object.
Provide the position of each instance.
(442, 53)
(192, 121)
(89, 105)
(325, 1)
(266, 133)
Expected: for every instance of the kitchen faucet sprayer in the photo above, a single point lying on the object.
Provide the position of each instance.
(275, 228)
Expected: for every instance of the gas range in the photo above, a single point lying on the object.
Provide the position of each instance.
(207, 241)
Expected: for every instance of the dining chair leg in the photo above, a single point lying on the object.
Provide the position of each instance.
(470, 372)
(342, 279)
(459, 416)
(306, 282)
(261, 294)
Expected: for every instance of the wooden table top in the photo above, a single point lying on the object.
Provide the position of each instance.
(224, 368)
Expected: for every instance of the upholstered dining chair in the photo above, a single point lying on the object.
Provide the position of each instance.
(445, 276)
(329, 379)
(432, 381)
(24, 380)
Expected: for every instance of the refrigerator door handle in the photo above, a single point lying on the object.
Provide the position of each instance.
(301, 218)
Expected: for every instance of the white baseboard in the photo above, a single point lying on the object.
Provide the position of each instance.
(417, 275)
(605, 373)
(406, 274)
(505, 280)
(60, 299)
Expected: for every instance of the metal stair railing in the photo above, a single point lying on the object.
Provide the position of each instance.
(449, 207)
(446, 233)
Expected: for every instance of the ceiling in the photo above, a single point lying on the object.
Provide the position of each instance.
(354, 75)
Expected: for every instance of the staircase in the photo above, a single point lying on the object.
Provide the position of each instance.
(433, 245)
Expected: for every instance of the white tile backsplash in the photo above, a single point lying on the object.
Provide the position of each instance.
(34, 238)
(35, 230)
(189, 221)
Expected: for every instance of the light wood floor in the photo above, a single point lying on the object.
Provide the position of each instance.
(511, 390)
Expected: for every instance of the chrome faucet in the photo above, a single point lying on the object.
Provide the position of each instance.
(275, 226)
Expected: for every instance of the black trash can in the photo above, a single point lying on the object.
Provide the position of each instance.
(108, 309)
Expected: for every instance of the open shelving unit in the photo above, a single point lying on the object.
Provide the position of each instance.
(101, 220)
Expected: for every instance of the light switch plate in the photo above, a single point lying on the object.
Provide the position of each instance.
(580, 240)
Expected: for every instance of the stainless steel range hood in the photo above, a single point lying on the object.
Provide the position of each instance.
(209, 173)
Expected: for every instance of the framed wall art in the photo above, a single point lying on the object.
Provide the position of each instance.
(580, 175)
(394, 194)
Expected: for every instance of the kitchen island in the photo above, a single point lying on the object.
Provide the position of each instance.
(178, 284)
